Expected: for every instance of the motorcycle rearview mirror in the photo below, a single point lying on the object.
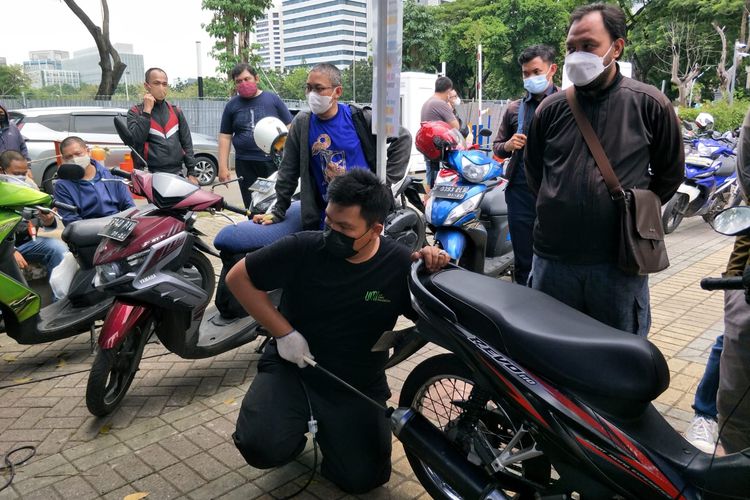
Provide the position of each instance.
(121, 126)
(732, 221)
(485, 132)
(70, 172)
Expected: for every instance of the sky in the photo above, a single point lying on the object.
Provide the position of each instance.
(163, 31)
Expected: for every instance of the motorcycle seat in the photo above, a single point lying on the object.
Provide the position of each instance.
(247, 236)
(614, 371)
(727, 167)
(84, 233)
(494, 203)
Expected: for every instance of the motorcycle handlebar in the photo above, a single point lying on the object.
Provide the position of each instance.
(65, 206)
(121, 173)
(234, 209)
(722, 283)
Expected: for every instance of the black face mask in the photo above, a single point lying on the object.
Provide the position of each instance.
(338, 244)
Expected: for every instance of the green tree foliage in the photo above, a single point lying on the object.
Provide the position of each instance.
(232, 22)
(422, 34)
(13, 80)
(294, 84)
(650, 41)
(360, 81)
(726, 117)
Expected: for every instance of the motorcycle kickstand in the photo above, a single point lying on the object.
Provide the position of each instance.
(263, 344)
(92, 344)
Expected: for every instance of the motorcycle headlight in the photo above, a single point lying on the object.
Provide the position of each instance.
(113, 271)
(464, 208)
(473, 172)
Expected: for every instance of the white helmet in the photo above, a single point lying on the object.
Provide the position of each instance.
(705, 121)
(270, 135)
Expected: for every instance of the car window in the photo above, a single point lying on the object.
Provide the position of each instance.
(58, 123)
(93, 124)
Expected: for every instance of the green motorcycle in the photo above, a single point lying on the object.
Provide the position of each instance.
(25, 320)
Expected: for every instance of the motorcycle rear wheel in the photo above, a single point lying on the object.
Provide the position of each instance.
(439, 389)
(114, 369)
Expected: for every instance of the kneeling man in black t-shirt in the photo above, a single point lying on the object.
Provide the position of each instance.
(343, 287)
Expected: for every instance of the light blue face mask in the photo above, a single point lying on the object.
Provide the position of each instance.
(536, 84)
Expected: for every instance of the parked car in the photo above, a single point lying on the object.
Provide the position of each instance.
(42, 126)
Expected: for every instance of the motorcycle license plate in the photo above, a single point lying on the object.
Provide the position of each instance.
(449, 191)
(118, 228)
(262, 185)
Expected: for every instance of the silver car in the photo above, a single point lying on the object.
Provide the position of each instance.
(42, 126)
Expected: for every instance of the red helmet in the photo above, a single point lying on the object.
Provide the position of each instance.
(429, 131)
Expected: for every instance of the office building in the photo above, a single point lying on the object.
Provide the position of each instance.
(86, 62)
(332, 31)
(44, 69)
(269, 35)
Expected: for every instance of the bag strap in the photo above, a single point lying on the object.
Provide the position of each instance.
(610, 178)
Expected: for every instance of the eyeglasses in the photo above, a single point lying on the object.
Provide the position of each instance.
(315, 88)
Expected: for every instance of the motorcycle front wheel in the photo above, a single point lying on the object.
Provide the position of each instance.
(441, 389)
(114, 369)
(674, 211)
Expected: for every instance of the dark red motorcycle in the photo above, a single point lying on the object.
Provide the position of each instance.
(152, 260)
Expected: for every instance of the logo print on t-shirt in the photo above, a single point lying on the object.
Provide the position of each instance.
(376, 296)
(332, 163)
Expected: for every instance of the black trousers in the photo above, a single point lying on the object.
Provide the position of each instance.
(521, 216)
(250, 170)
(354, 437)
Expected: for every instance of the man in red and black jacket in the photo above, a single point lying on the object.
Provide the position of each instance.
(160, 130)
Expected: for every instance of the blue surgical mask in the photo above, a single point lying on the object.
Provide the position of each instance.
(536, 84)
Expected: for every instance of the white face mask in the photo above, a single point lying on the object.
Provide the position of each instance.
(319, 104)
(456, 101)
(82, 161)
(583, 68)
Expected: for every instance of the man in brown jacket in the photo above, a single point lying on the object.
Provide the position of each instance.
(575, 235)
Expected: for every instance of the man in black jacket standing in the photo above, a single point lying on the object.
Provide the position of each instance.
(326, 142)
(537, 68)
(576, 231)
(160, 130)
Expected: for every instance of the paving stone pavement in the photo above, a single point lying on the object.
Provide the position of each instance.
(172, 435)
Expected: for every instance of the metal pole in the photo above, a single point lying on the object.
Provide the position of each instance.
(479, 90)
(381, 33)
(443, 71)
(354, 62)
(200, 68)
(127, 92)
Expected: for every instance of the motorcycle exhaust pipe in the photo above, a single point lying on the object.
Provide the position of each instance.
(426, 441)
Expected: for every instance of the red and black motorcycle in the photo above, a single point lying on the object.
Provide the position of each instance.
(152, 260)
(538, 400)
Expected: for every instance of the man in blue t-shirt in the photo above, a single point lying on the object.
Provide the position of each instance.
(92, 196)
(326, 142)
(238, 121)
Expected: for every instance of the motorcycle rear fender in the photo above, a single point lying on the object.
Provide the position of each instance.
(120, 320)
(692, 191)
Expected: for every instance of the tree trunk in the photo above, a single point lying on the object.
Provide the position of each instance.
(109, 59)
(721, 68)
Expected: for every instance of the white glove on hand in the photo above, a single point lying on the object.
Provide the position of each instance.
(292, 347)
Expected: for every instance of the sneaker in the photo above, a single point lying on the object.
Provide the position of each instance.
(703, 433)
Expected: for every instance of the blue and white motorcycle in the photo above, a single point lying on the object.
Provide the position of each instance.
(710, 183)
(466, 207)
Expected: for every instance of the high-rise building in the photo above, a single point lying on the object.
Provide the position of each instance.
(44, 69)
(86, 62)
(332, 31)
(269, 35)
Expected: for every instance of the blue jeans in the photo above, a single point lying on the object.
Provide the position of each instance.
(600, 290)
(47, 251)
(705, 395)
